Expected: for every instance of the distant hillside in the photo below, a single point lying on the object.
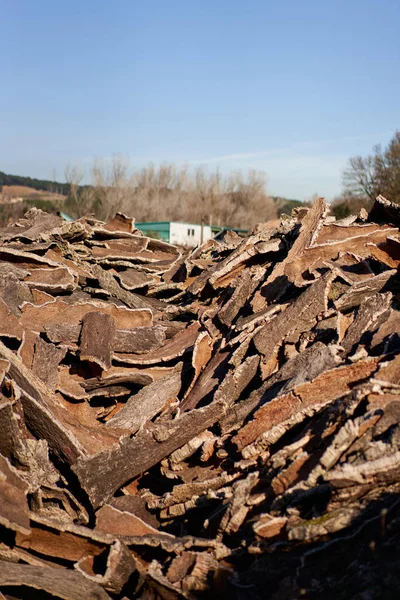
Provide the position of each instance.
(36, 184)
(19, 194)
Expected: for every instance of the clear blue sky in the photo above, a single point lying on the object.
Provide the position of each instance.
(290, 87)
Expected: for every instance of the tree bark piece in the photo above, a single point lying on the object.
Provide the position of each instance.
(120, 566)
(384, 211)
(140, 340)
(387, 252)
(298, 317)
(239, 296)
(117, 522)
(102, 475)
(362, 290)
(367, 318)
(181, 343)
(9, 324)
(321, 391)
(46, 359)
(59, 279)
(58, 582)
(277, 283)
(317, 255)
(108, 282)
(14, 513)
(147, 403)
(97, 339)
(37, 318)
(44, 415)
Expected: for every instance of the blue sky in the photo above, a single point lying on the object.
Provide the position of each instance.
(293, 88)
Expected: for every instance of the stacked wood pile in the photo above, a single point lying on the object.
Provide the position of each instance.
(223, 423)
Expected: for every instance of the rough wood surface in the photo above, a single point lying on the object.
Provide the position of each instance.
(148, 402)
(67, 585)
(276, 282)
(97, 339)
(222, 422)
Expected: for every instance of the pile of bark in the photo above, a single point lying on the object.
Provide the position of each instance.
(220, 423)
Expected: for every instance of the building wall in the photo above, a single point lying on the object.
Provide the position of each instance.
(187, 234)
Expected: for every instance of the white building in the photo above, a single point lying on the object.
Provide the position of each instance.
(187, 234)
(179, 234)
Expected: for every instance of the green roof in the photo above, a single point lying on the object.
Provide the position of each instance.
(145, 223)
(213, 227)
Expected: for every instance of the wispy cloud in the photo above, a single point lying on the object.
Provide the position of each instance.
(302, 168)
(290, 150)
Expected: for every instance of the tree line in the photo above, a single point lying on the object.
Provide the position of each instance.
(36, 184)
(153, 193)
(168, 192)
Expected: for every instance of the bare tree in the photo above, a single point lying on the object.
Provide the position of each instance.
(248, 200)
(376, 174)
(111, 183)
(359, 178)
(73, 176)
(54, 186)
(208, 193)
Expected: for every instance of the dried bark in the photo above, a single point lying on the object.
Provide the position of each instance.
(97, 339)
(147, 403)
(297, 318)
(177, 425)
(62, 584)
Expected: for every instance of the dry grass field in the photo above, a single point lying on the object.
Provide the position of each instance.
(17, 193)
